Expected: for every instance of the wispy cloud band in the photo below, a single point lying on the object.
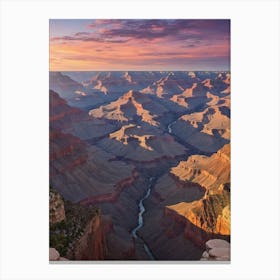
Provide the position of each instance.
(164, 41)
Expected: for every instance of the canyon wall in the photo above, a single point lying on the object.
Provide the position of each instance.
(76, 232)
(92, 244)
(189, 206)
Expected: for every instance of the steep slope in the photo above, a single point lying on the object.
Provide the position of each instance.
(212, 212)
(164, 233)
(86, 175)
(202, 87)
(189, 206)
(78, 170)
(75, 93)
(110, 83)
(61, 114)
(75, 121)
(209, 129)
(128, 107)
(78, 234)
(210, 121)
(163, 86)
(141, 144)
(64, 85)
(169, 83)
(116, 82)
(208, 172)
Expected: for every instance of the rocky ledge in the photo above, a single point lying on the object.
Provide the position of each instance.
(57, 212)
(55, 256)
(216, 250)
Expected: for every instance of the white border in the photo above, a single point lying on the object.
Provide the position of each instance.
(24, 138)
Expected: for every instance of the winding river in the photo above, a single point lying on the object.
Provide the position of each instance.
(142, 211)
(141, 222)
(169, 127)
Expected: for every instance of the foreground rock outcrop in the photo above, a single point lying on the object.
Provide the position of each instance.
(91, 243)
(216, 250)
(76, 232)
(55, 256)
(57, 212)
(212, 212)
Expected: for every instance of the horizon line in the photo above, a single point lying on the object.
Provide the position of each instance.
(168, 70)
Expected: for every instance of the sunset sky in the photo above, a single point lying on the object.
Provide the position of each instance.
(130, 44)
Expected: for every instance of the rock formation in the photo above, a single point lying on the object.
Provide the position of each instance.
(212, 212)
(75, 121)
(206, 171)
(57, 212)
(127, 107)
(76, 232)
(55, 256)
(92, 243)
(216, 250)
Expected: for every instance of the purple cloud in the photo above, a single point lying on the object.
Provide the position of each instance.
(81, 34)
(88, 38)
(123, 30)
(179, 29)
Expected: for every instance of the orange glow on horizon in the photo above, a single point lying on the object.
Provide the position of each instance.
(82, 52)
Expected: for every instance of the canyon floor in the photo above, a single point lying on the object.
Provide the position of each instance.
(139, 164)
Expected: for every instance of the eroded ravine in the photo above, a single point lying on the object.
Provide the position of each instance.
(142, 209)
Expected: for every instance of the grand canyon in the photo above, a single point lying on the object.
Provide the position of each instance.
(139, 165)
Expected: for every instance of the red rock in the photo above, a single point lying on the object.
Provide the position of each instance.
(92, 244)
